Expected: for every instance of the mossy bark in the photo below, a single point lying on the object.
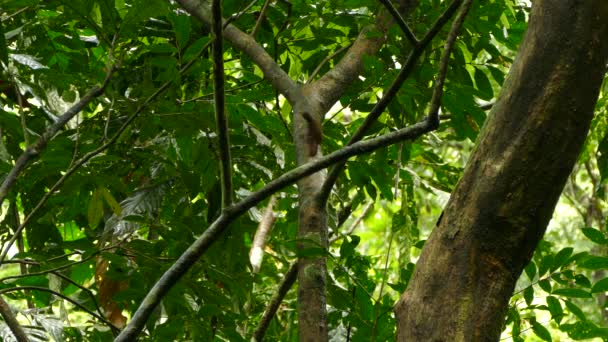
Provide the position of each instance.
(501, 207)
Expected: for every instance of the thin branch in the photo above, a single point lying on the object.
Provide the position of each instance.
(244, 42)
(34, 150)
(56, 269)
(220, 105)
(19, 11)
(90, 155)
(288, 280)
(325, 60)
(82, 307)
(210, 235)
(256, 254)
(368, 207)
(400, 21)
(445, 59)
(11, 321)
(260, 18)
(379, 108)
(82, 288)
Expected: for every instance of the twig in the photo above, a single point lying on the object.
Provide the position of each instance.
(325, 60)
(288, 280)
(44, 289)
(220, 106)
(82, 288)
(400, 21)
(368, 207)
(210, 235)
(260, 18)
(12, 322)
(445, 58)
(90, 155)
(256, 254)
(379, 108)
(34, 150)
(19, 11)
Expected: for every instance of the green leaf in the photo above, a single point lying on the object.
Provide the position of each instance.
(483, 84)
(584, 330)
(347, 248)
(529, 295)
(594, 263)
(545, 284)
(95, 211)
(561, 258)
(595, 235)
(541, 331)
(575, 310)
(111, 201)
(530, 270)
(600, 286)
(195, 49)
(545, 264)
(572, 293)
(555, 308)
(181, 26)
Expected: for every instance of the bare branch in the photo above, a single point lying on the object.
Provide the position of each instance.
(445, 59)
(12, 322)
(220, 106)
(260, 18)
(60, 295)
(288, 280)
(400, 21)
(256, 254)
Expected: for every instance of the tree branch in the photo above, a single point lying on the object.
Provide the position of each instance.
(288, 280)
(400, 21)
(11, 321)
(76, 165)
(256, 254)
(260, 18)
(220, 106)
(60, 295)
(34, 150)
(200, 246)
(379, 108)
(443, 63)
(244, 42)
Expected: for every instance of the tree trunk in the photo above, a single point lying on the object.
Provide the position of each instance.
(500, 209)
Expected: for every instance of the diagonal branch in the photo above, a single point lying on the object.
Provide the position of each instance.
(228, 215)
(60, 295)
(220, 106)
(445, 58)
(379, 108)
(286, 283)
(290, 276)
(400, 21)
(244, 42)
(77, 164)
(34, 150)
(11, 321)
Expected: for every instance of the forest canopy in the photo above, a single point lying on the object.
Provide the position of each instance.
(345, 170)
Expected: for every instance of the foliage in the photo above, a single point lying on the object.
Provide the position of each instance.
(125, 215)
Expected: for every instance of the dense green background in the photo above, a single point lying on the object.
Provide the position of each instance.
(137, 205)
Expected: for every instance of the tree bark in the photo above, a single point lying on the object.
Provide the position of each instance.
(500, 209)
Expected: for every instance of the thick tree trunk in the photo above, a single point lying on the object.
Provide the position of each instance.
(499, 211)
